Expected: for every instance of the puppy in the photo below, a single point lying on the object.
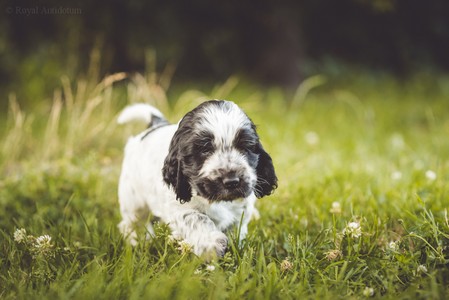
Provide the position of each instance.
(201, 176)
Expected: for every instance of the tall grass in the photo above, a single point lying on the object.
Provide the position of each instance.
(361, 210)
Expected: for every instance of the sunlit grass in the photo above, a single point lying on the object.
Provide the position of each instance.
(361, 208)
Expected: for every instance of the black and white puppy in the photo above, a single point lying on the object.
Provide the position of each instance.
(200, 176)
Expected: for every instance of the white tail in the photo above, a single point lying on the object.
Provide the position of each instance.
(139, 112)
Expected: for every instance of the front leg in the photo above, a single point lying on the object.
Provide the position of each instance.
(200, 231)
(249, 214)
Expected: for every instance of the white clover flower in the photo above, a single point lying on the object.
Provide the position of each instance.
(286, 265)
(20, 235)
(210, 268)
(431, 175)
(421, 269)
(353, 230)
(312, 138)
(333, 255)
(185, 247)
(393, 246)
(396, 175)
(336, 207)
(43, 242)
(368, 292)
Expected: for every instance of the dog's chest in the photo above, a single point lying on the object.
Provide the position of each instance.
(226, 214)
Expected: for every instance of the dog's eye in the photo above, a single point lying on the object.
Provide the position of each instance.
(204, 149)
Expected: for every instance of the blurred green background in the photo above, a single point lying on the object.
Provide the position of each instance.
(266, 42)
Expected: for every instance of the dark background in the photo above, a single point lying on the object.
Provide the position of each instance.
(270, 42)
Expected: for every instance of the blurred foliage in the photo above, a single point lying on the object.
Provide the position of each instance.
(271, 42)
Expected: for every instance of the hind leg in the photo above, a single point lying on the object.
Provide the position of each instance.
(127, 227)
(150, 231)
(132, 217)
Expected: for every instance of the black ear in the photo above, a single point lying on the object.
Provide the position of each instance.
(267, 181)
(182, 188)
(173, 172)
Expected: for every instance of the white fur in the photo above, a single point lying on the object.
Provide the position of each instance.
(139, 112)
(142, 190)
(224, 123)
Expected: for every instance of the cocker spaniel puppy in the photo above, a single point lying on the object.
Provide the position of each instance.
(200, 176)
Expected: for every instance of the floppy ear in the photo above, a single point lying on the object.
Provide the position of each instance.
(267, 181)
(172, 171)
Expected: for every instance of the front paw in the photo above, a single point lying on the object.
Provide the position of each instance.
(221, 245)
(213, 247)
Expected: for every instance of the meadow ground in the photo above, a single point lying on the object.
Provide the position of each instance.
(361, 208)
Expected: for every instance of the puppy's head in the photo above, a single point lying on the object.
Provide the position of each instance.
(216, 153)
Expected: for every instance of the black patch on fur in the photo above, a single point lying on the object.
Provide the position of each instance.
(267, 181)
(156, 123)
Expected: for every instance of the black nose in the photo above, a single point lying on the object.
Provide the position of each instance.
(231, 182)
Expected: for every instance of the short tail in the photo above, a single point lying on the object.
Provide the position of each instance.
(141, 112)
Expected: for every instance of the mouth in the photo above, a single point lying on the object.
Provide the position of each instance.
(215, 192)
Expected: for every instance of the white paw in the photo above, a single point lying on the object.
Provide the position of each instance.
(128, 233)
(216, 245)
(220, 244)
(212, 246)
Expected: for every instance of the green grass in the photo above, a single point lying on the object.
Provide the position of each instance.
(376, 146)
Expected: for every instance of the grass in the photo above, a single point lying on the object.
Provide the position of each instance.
(361, 208)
